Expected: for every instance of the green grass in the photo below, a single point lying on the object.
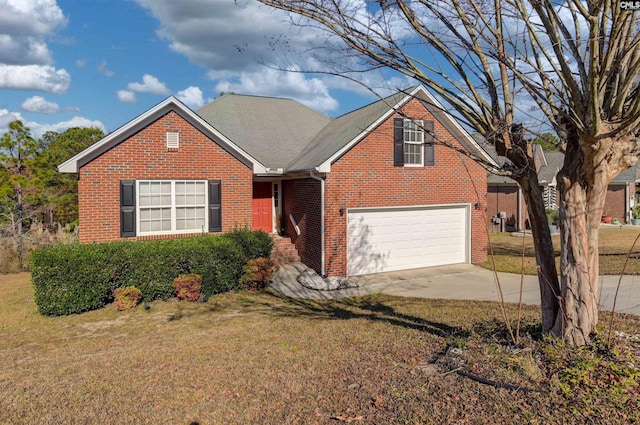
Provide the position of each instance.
(257, 358)
(614, 244)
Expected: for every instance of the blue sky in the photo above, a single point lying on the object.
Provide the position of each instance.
(101, 63)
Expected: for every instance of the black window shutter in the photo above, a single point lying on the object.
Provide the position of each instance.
(127, 208)
(398, 142)
(215, 206)
(429, 146)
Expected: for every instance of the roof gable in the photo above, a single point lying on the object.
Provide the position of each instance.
(344, 132)
(73, 164)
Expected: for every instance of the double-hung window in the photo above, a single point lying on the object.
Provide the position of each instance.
(172, 206)
(413, 136)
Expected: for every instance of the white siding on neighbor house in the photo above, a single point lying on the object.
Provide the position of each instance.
(390, 239)
(550, 197)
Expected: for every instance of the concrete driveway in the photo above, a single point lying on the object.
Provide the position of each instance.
(460, 281)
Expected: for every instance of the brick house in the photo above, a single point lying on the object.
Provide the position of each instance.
(366, 192)
(505, 196)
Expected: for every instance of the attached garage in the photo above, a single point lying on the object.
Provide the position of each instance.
(401, 238)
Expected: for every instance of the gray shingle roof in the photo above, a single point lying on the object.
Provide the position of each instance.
(273, 130)
(500, 160)
(628, 175)
(341, 131)
(555, 161)
(282, 133)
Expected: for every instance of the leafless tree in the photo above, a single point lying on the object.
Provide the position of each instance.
(577, 61)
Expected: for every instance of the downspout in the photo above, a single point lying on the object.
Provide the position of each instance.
(521, 226)
(627, 204)
(321, 180)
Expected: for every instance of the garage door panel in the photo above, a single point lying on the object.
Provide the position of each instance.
(396, 239)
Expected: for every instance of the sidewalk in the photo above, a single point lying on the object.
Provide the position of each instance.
(460, 281)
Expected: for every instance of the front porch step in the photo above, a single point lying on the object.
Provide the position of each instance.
(284, 251)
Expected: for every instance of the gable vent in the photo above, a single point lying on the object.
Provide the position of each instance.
(173, 140)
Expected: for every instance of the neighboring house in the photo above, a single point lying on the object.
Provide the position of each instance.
(366, 192)
(621, 195)
(504, 196)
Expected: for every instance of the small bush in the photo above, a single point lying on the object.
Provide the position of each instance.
(253, 243)
(553, 216)
(126, 298)
(257, 274)
(187, 286)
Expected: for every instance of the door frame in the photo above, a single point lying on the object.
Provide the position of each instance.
(276, 203)
(276, 200)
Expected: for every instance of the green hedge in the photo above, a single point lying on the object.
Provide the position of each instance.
(254, 244)
(75, 278)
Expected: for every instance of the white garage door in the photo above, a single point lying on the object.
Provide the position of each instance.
(388, 239)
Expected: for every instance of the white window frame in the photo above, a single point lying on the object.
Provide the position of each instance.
(174, 207)
(413, 128)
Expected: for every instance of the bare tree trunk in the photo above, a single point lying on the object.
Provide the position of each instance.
(581, 206)
(19, 230)
(547, 273)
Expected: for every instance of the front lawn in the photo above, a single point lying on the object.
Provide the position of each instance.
(615, 244)
(257, 358)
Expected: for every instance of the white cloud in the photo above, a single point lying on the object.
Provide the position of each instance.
(38, 129)
(312, 92)
(127, 96)
(219, 34)
(34, 77)
(81, 63)
(25, 26)
(6, 117)
(191, 96)
(23, 50)
(102, 68)
(31, 17)
(235, 39)
(150, 84)
(40, 105)
(25, 59)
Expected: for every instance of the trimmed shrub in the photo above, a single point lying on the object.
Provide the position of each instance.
(253, 243)
(126, 298)
(187, 286)
(72, 278)
(257, 274)
(80, 277)
(553, 216)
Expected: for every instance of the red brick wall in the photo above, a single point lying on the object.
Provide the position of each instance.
(615, 202)
(302, 198)
(366, 177)
(503, 198)
(145, 156)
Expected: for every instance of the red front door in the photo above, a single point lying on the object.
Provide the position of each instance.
(262, 206)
